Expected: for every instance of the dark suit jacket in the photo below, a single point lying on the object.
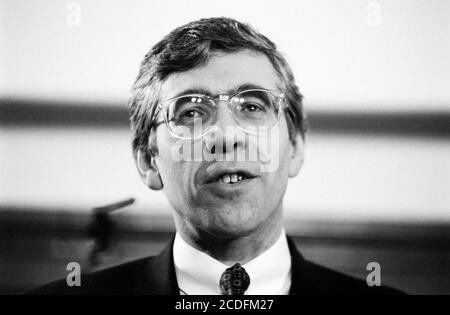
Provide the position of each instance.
(156, 276)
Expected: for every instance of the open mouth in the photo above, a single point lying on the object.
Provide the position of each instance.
(228, 174)
(232, 178)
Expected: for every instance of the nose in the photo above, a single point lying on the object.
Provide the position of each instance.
(224, 136)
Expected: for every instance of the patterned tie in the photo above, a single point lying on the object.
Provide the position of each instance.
(234, 281)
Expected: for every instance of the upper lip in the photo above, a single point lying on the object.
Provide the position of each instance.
(214, 171)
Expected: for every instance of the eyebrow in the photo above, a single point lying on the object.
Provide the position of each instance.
(203, 91)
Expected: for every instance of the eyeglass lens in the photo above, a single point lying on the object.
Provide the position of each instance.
(193, 114)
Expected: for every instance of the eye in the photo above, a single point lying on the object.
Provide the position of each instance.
(252, 108)
(192, 113)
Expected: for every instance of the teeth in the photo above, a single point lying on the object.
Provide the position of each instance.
(231, 178)
(226, 178)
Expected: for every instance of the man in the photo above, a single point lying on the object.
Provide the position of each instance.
(218, 126)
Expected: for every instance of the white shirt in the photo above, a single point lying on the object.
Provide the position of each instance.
(199, 274)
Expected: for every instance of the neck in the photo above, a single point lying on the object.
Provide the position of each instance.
(230, 250)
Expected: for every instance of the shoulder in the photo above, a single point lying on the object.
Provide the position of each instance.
(322, 280)
(311, 278)
(120, 279)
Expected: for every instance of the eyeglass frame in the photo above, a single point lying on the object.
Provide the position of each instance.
(224, 97)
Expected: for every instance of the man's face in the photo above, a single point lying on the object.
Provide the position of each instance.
(198, 191)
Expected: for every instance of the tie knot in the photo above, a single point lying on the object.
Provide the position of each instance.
(234, 281)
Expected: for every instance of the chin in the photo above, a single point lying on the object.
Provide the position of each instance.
(226, 224)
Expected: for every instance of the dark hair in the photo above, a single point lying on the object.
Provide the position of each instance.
(189, 46)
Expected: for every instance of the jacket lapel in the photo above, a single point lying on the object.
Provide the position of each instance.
(301, 280)
(157, 276)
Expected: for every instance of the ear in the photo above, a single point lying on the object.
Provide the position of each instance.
(297, 156)
(148, 171)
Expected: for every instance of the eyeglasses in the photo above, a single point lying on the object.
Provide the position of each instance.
(191, 116)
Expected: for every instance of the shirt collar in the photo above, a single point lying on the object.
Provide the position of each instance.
(199, 273)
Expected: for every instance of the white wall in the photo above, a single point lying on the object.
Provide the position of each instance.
(350, 53)
(344, 54)
(344, 178)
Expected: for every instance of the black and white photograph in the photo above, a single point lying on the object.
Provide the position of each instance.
(208, 148)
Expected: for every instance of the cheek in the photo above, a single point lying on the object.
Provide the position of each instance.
(274, 149)
(168, 166)
(176, 171)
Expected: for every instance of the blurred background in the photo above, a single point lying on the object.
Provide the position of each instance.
(375, 186)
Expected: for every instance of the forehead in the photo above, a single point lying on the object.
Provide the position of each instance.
(224, 72)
